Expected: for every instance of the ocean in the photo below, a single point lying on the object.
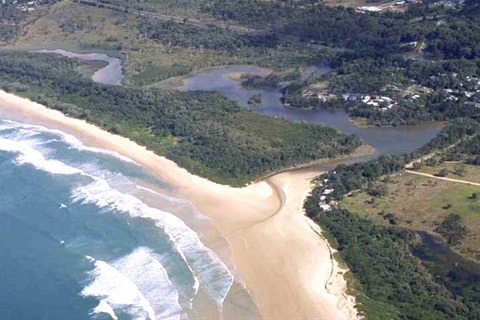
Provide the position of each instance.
(88, 234)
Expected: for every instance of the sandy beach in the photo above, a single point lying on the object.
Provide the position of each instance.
(277, 251)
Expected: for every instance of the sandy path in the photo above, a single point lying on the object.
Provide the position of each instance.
(281, 259)
(443, 178)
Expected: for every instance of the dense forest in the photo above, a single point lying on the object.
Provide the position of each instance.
(203, 38)
(340, 26)
(10, 20)
(205, 132)
(391, 280)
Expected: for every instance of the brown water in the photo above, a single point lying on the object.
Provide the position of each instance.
(385, 140)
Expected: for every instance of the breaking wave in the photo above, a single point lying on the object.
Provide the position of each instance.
(24, 131)
(212, 274)
(29, 155)
(139, 283)
(117, 291)
(143, 270)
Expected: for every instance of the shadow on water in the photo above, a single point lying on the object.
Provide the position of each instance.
(460, 275)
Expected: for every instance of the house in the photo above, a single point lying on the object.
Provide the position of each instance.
(325, 207)
(369, 9)
(365, 99)
(327, 191)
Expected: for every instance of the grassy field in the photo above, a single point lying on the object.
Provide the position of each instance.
(421, 203)
(458, 171)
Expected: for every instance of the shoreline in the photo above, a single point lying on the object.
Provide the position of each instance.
(283, 262)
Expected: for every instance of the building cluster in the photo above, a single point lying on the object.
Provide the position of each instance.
(467, 87)
(23, 6)
(385, 103)
(323, 198)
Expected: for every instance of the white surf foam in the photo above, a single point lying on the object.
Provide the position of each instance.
(104, 307)
(143, 268)
(196, 283)
(68, 138)
(118, 291)
(208, 271)
(213, 276)
(29, 155)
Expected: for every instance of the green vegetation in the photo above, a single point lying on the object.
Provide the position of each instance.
(452, 229)
(353, 177)
(252, 81)
(420, 203)
(213, 136)
(382, 261)
(255, 100)
(385, 53)
(425, 59)
(456, 170)
(203, 38)
(420, 92)
(375, 228)
(155, 50)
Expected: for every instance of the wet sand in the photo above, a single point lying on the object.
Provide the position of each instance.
(279, 256)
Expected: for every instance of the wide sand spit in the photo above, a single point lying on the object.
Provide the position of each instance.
(277, 250)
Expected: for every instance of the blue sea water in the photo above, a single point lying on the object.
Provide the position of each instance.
(78, 239)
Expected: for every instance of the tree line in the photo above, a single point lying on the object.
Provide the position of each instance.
(392, 282)
(205, 132)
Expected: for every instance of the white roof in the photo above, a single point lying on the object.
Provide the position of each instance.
(327, 191)
(325, 207)
(370, 8)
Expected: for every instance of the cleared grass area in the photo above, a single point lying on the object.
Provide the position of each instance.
(458, 171)
(421, 203)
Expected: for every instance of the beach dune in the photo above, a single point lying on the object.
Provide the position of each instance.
(277, 251)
